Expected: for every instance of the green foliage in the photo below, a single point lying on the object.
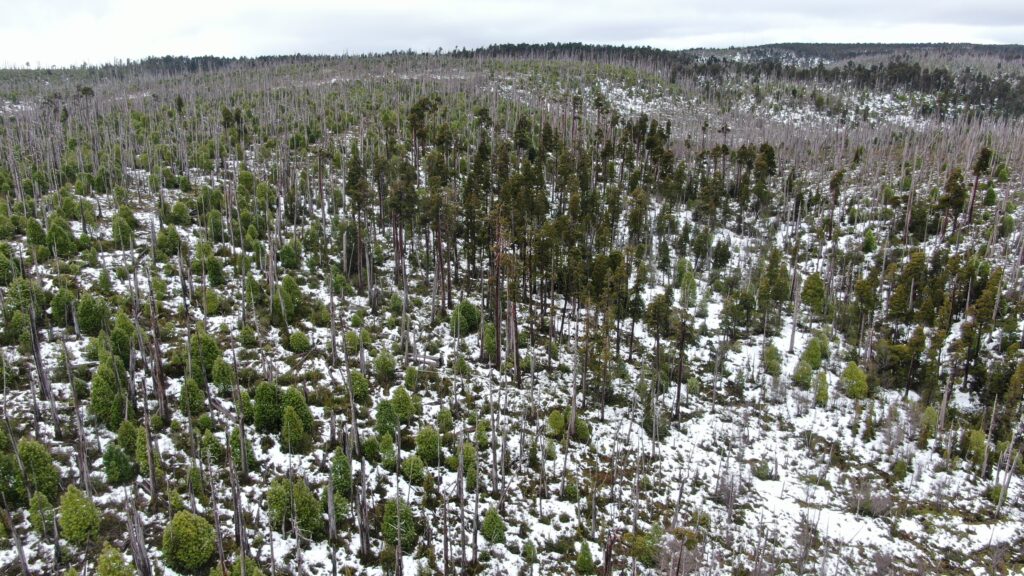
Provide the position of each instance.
(360, 387)
(180, 213)
(398, 521)
(412, 469)
(41, 513)
(62, 304)
(405, 408)
(428, 445)
(93, 314)
(556, 424)
(815, 352)
(976, 445)
(60, 238)
(251, 568)
(118, 467)
(292, 299)
(236, 448)
(267, 410)
(530, 552)
(490, 342)
(223, 376)
(205, 352)
(293, 436)
(644, 546)
(352, 342)
(929, 421)
(581, 432)
(585, 560)
(293, 398)
(79, 517)
(112, 563)
(854, 381)
(122, 337)
(813, 293)
(465, 319)
(141, 455)
(869, 244)
(384, 368)
(493, 527)
(168, 241)
(341, 473)
(122, 231)
(107, 398)
(772, 360)
(287, 499)
(247, 337)
(821, 388)
(291, 254)
(192, 401)
(188, 542)
(445, 421)
(298, 342)
(40, 471)
(386, 420)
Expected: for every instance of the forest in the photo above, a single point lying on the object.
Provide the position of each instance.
(524, 309)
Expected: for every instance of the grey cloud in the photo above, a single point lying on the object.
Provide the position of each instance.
(48, 31)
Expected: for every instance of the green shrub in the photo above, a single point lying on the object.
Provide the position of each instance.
(821, 389)
(251, 568)
(188, 542)
(403, 404)
(493, 527)
(119, 468)
(772, 361)
(465, 319)
(428, 445)
(802, 375)
(107, 398)
(445, 421)
(192, 401)
(854, 381)
(929, 421)
(291, 254)
(39, 468)
(899, 470)
(211, 448)
(308, 508)
(360, 387)
(267, 410)
(352, 342)
(556, 424)
(40, 513)
(59, 237)
(384, 368)
(79, 517)
(247, 337)
(582, 430)
(293, 397)
(341, 473)
(293, 436)
(976, 444)
(490, 342)
(412, 469)
(112, 563)
(387, 421)
(299, 343)
(585, 561)
(398, 519)
(223, 376)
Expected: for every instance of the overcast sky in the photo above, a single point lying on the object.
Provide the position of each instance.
(70, 32)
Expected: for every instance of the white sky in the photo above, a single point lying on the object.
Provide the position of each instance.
(72, 32)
